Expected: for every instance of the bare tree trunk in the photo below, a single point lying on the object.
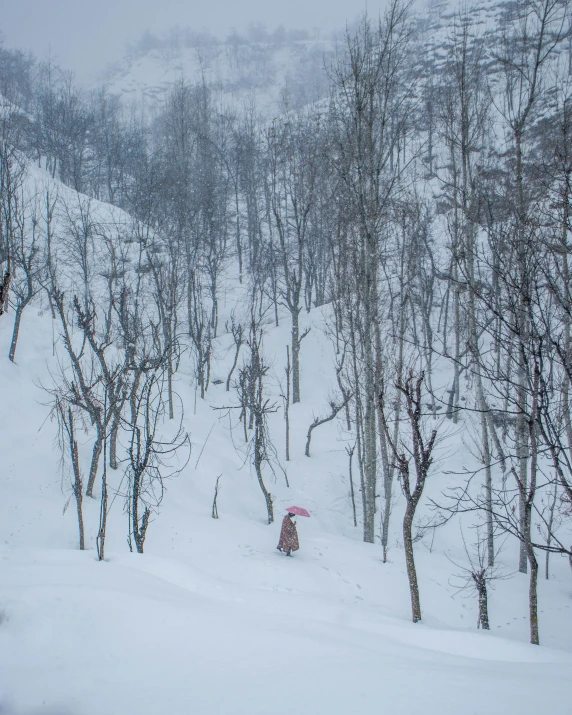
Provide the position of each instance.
(350, 453)
(488, 490)
(103, 508)
(420, 452)
(237, 335)
(410, 562)
(387, 492)
(527, 490)
(522, 455)
(370, 470)
(344, 393)
(483, 621)
(170, 387)
(16, 331)
(389, 468)
(96, 454)
(549, 527)
(4, 293)
(533, 594)
(113, 437)
(287, 402)
(532, 560)
(78, 486)
(258, 461)
(295, 355)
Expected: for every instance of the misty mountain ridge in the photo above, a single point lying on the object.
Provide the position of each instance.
(237, 72)
(271, 70)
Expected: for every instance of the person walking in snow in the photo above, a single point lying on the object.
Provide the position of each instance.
(288, 536)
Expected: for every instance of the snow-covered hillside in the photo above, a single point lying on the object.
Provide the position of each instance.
(220, 225)
(240, 74)
(212, 619)
(262, 72)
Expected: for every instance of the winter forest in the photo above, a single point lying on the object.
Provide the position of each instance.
(272, 269)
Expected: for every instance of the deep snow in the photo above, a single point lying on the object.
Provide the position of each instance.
(212, 619)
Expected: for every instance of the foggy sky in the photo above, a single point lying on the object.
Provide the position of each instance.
(85, 35)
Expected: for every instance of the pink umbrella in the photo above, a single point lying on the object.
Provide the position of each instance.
(297, 510)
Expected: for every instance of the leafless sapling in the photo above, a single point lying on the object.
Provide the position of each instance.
(350, 452)
(149, 452)
(214, 512)
(478, 576)
(236, 331)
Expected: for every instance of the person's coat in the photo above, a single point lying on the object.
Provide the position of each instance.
(288, 536)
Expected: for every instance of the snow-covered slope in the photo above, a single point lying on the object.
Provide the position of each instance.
(149, 634)
(239, 74)
(244, 71)
(212, 619)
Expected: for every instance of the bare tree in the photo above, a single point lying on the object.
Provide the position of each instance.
(419, 451)
(149, 451)
(237, 336)
(214, 512)
(294, 177)
(68, 444)
(286, 398)
(531, 36)
(479, 575)
(12, 169)
(252, 394)
(368, 124)
(27, 263)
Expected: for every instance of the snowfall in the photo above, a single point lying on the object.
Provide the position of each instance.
(212, 618)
